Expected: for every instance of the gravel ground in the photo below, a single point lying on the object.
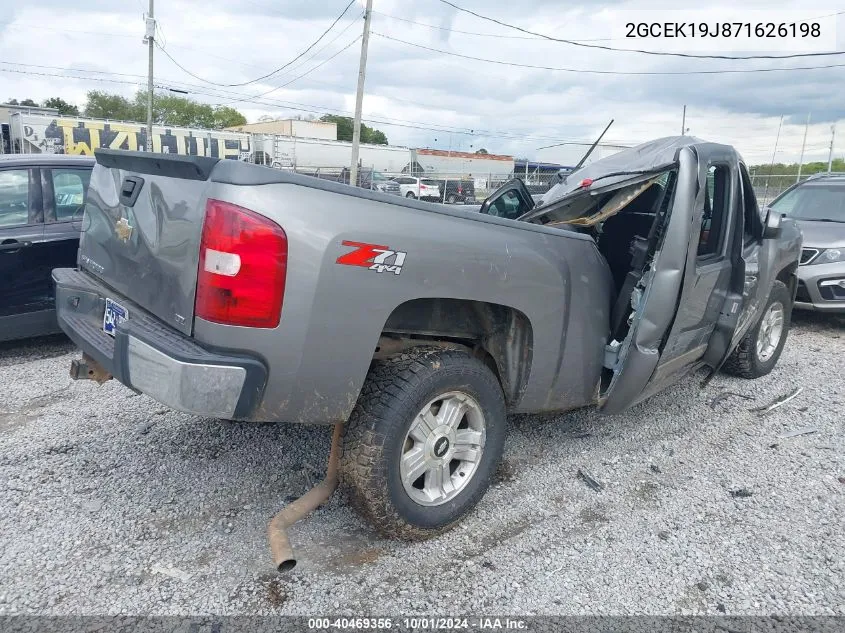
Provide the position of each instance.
(113, 504)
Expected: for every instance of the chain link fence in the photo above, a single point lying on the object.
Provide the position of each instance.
(767, 187)
(447, 187)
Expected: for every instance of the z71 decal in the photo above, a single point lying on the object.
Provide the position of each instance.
(373, 257)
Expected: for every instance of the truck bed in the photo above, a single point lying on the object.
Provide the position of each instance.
(144, 253)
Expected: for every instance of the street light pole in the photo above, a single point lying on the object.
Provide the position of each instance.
(359, 97)
(150, 36)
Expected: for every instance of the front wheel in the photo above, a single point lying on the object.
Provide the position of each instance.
(759, 350)
(423, 441)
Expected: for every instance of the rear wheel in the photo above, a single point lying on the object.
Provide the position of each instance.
(759, 350)
(423, 441)
(452, 199)
(410, 194)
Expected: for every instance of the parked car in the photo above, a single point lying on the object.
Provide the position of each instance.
(818, 207)
(42, 197)
(457, 191)
(422, 188)
(377, 181)
(236, 291)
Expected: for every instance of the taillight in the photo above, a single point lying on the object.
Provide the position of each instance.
(242, 268)
(460, 189)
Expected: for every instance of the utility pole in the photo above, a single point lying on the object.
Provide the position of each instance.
(803, 144)
(684, 122)
(150, 37)
(830, 153)
(359, 97)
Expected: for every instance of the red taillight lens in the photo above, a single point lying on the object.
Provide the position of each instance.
(460, 189)
(242, 268)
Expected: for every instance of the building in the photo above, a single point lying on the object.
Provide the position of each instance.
(291, 127)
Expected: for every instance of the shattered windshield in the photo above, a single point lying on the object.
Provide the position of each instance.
(593, 206)
(628, 173)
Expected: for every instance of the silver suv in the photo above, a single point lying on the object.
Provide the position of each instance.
(818, 206)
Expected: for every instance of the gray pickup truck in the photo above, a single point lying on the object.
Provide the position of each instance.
(236, 291)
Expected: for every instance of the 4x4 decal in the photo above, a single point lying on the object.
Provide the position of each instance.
(375, 257)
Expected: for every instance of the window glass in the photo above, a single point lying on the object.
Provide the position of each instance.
(814, 201)
(431, 183)
(508, 205)
(70, 187)
(14, 197)
(751, 212)
(716, 191)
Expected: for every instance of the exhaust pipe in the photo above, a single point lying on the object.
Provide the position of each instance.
(283, 556)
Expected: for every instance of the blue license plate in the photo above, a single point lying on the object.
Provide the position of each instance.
(114, 315)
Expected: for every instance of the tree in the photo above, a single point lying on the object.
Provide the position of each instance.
(345, 129)
(102, 105)
(25, 102)
(224, 116)
(62, 106)
(168, 109)
(482, 151)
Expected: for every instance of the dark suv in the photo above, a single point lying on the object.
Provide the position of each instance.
(42, 199)
(818, 206)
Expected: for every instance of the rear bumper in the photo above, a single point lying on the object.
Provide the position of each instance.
(150, 357)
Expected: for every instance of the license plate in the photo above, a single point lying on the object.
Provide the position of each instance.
(114, 315)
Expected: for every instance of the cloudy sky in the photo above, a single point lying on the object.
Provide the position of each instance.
(424, 98)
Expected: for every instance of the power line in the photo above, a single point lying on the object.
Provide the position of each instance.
(310, 57)
(605, 72)
(307, 72)
(270, 74)
(311, 109)
(496, 35)
(317, 109)
(634, 50)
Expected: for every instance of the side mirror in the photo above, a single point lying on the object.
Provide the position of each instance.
(772, 228)
(511, 200)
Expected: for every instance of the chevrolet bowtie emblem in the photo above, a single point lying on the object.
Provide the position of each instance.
(123, 229)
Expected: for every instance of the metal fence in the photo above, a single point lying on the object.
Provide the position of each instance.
(454, 187)
(767, 187)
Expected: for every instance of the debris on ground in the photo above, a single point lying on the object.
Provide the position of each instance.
(654, 468)
(591, 481)
(721, 397)
(171, 572)
(778, 402)
(741, 493)
(805, 431)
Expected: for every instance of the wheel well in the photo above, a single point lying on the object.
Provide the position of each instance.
(498, 335)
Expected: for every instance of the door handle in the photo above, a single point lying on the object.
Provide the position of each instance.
(13, 245)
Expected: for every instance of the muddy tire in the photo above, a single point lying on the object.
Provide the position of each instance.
(423, 441)
(759, 350)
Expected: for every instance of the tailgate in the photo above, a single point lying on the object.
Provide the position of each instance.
(142, 229)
